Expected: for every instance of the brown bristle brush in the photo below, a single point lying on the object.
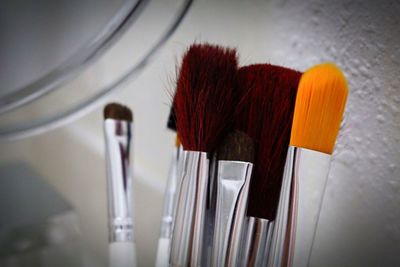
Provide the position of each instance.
(117, 112)
(118, 136)
(204, 104)
(265, 114)
(235, 164)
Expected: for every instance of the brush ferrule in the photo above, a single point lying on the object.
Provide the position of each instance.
(279, 236)
(256, 243)
(232, 192)
(119, 180)
(187, 237)
(169, 197)
(304, 182)
(211, 209)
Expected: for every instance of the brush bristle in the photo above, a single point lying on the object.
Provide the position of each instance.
(117, 112)
(320, 103)
(171, 123)
(205, 96)
(266, 116)
(177, 141)
(236, 146)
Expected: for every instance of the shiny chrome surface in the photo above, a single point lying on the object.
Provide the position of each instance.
(211, 209)
(169, 197)
(118, 136)
(169, 210)
(305, 178)
(311, 169)
(256, 242)
(188, 233)
(281, 221)
(232, 192)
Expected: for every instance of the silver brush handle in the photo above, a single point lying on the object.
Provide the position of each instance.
(232, 193)
(256, 243)
(280, 232)
(187, 237)
(307, 171)
(168, 212)
(119, 179)
(169, 198)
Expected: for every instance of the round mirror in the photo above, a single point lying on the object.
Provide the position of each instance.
(51, 49)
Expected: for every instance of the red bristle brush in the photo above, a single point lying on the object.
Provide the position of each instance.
(204, 104)
(266, 111)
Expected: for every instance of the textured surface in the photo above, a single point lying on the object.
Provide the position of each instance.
(360, 219)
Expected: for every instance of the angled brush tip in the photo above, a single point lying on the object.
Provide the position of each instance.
(237, 146)
(117, 112)
(320, 102)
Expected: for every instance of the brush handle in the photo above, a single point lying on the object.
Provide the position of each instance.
(278, 244)
(308, 172)
(122, 254)
(188, 235)
(118, 137)
(232, 193)
(256, 242)
(162, 259)
(168, 211)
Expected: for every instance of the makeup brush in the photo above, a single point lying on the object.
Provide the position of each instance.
(118, 134)
(319, 109)
(235, 164)
(170, 197)
(204, 103)
(169, 208)
(266, 112)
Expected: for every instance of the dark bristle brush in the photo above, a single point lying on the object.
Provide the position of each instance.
(118, 135)
(265, 114)
(235, 164)
(204, 104)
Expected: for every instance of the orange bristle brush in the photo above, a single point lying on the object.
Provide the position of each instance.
(319, 108)
(266, 112)
(204, 104)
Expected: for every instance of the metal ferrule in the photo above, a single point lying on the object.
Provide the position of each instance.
(232, 193)
(256, 242)
(169, 197)
(276, 253)
(119, 179)
(187, 237)
(211, 209)
(306, 173)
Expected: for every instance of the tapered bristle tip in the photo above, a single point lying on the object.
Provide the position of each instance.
(319, 109)
(117, 112)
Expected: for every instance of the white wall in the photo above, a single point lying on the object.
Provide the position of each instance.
(360, 219)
